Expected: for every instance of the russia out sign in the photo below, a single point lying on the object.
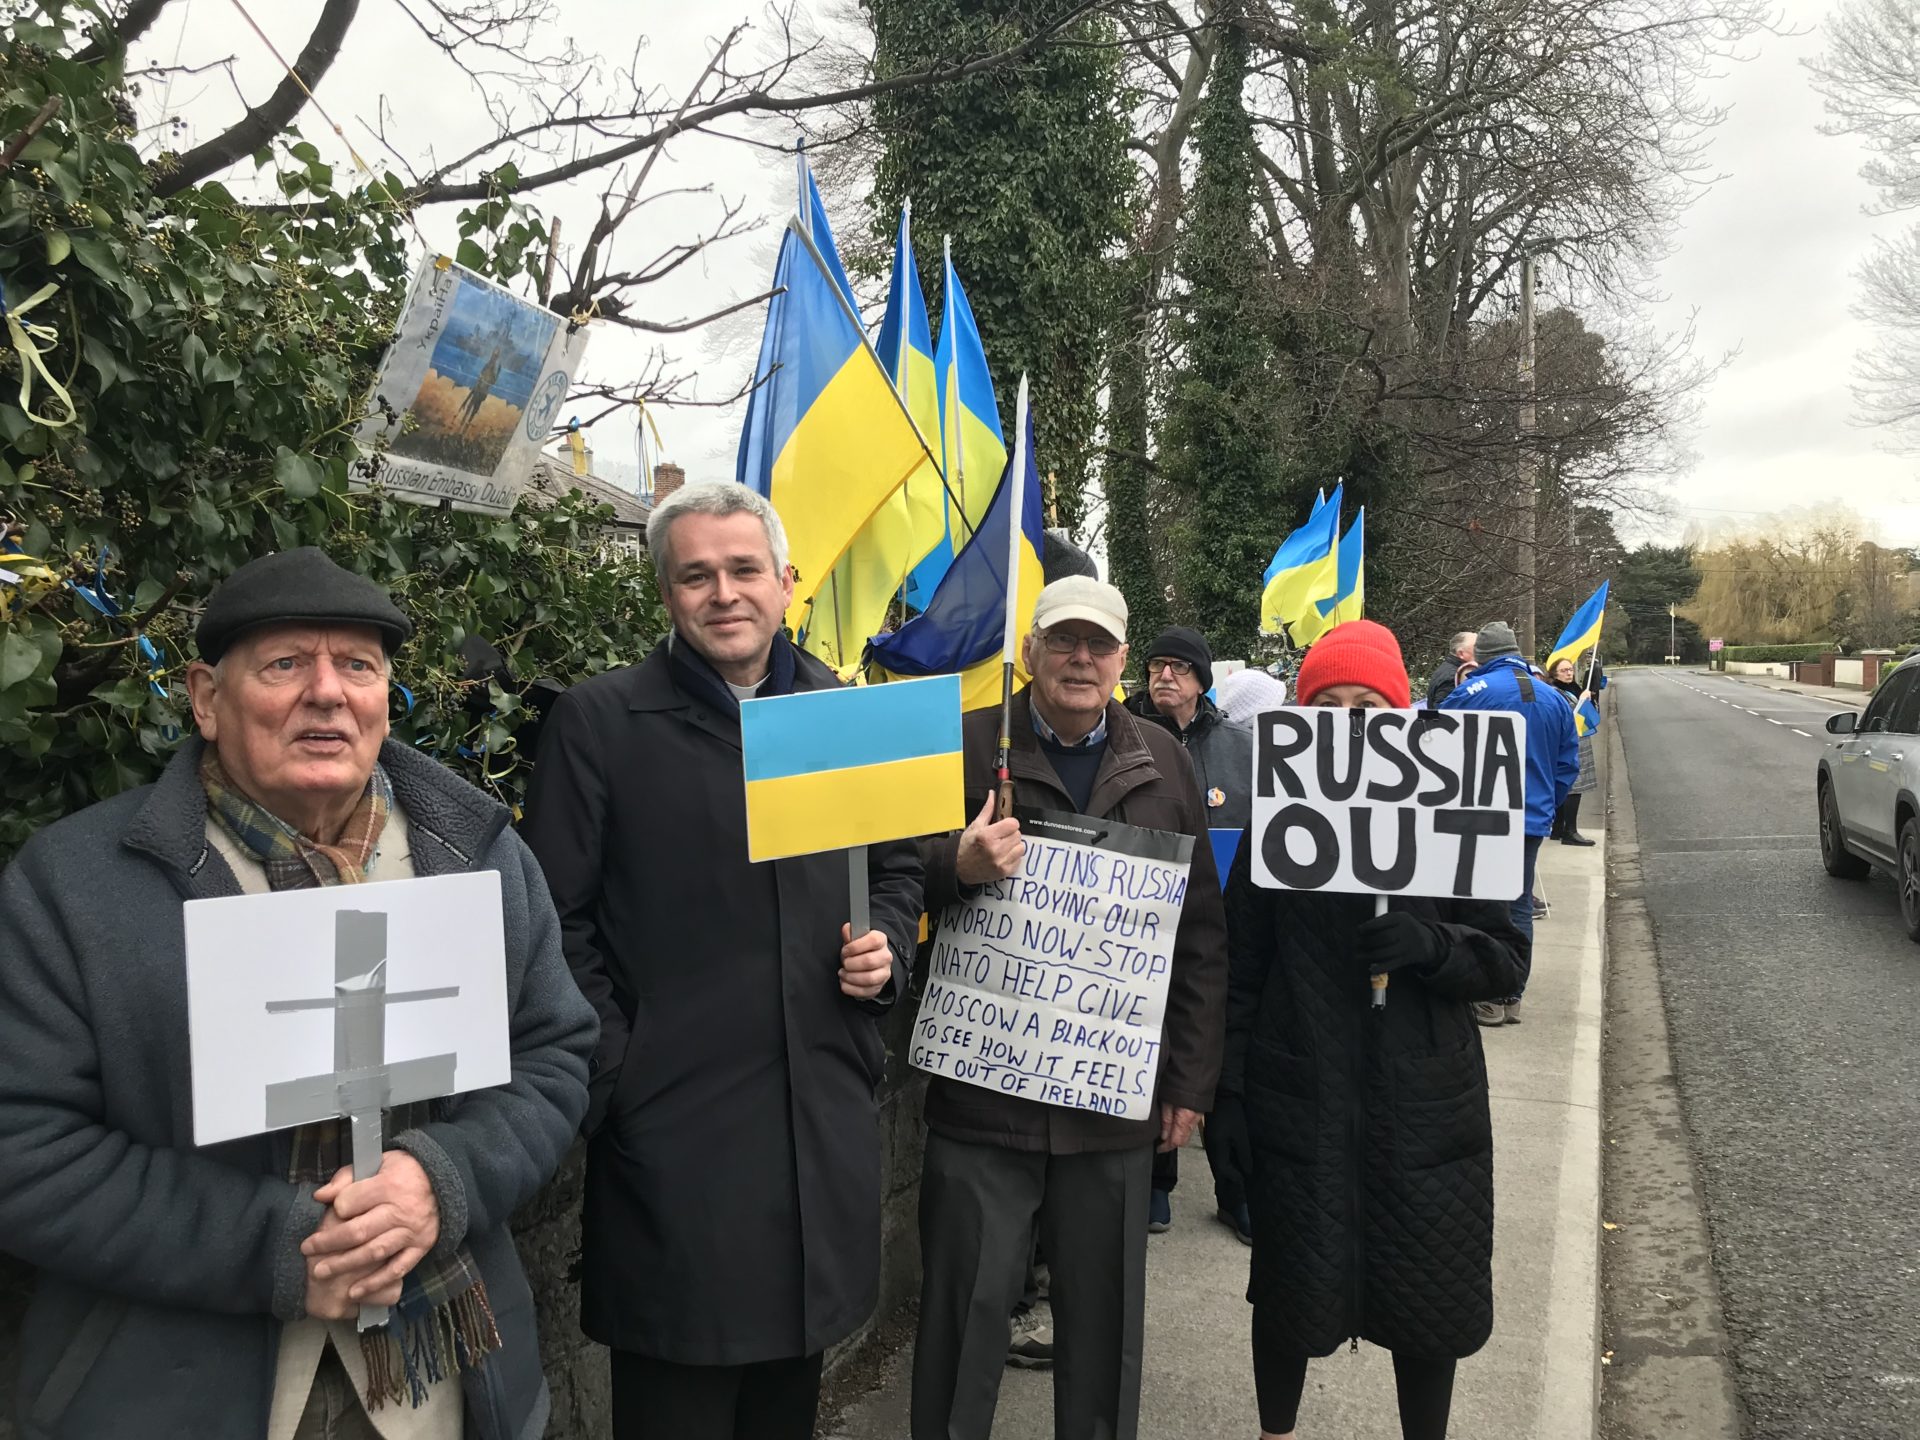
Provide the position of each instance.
(1390, 802)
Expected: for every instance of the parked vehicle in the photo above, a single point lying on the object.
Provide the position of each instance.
(1868, 788)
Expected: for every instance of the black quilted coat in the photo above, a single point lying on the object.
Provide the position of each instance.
(1372, 1149)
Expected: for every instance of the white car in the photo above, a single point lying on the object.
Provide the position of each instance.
(1868, 788)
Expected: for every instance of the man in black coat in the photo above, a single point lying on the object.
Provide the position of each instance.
(1446, 674)
(732, 1220)
(1179, 675)
(996, 1164)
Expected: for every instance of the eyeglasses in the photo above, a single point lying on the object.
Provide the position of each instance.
(1061, 642)
(1180, 668)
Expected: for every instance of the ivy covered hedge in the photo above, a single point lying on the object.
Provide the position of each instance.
(216, 357)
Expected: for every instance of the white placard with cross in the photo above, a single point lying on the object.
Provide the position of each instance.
(306, 1005)
(270, 1007)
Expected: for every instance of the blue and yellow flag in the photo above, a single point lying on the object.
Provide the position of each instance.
(1586, 717)
(914, 536)
(964, 626)
(813, 219)
(1349, 602)
(973, 449)
(1583, 630)
(1305, 569)
(832, 769)
(825, 437)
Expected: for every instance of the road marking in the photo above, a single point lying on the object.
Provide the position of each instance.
(1803, 734)
(1770, 720)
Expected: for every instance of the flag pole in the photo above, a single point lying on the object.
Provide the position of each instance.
(1016, 520)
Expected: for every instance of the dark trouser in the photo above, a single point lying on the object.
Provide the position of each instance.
(1424, 1387)
(1567, 822)
(1521, 912)
(1229, 1189)
(978, 1204)
(658, 1400)
(334, 1409)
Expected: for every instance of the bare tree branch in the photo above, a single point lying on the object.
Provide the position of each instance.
(261, 124)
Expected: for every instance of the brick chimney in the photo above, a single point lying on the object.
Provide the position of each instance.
(667, 478)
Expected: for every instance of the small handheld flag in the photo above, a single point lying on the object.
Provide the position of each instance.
(836, 769)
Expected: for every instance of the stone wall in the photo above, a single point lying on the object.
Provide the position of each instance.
(548, 1232)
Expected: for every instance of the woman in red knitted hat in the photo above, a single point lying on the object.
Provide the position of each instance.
(1365, 1130)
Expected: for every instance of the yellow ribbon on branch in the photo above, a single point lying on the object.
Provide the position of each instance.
(28, 340)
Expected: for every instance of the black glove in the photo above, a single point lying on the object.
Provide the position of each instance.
(1227, 1128)
(1396, 941)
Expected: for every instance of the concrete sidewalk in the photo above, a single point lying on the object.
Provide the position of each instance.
(1537, 1379)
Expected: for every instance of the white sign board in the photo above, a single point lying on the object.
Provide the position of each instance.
(262, 981)
(1052, 985)
(479, 376)
(1390, 802)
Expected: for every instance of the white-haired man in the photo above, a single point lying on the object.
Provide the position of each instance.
(732, 1215)
(998, 1166)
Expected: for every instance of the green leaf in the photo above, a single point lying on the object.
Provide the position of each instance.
(222, 368)
(193, 356)
(471, 255)
(201, 511)
(299, 475)
(58, 247)
(97, 256)
(19, 659)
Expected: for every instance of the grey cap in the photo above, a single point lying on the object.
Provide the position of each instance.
(1494, 640)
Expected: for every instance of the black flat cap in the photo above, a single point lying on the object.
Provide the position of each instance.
(293, 586)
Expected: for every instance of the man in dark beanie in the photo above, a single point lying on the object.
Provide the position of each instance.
(214, 1289)
(1179, 675)
(1503, 680)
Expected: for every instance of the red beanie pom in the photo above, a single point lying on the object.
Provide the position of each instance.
(1359, 652)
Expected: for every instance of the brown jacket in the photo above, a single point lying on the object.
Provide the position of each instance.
(1146, 780)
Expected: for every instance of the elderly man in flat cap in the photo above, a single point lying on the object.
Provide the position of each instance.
(210, 1292)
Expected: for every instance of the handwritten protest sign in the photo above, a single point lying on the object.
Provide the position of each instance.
(1052, 984)
(1390, 802)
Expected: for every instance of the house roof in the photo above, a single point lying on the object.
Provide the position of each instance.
(553, 476)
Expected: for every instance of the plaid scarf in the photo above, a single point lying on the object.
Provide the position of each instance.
(445, 1323)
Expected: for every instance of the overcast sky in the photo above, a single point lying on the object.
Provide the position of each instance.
(1762, 266)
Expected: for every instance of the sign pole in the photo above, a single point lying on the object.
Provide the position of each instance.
(1379, 981)
(1016, 521)
(860, 920)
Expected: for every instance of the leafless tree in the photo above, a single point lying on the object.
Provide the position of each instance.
(1869, 76)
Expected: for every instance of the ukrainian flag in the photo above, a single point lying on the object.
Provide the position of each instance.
(1305, 568)
(963, 629)
(1349, 602)
(832, 769)
(825, 438)
(1586, 717)
(1583, 630)
(918, 532)
(813, 213)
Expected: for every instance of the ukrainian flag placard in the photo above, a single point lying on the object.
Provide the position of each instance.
(832, 769)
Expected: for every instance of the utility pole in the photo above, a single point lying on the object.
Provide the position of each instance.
(1529, 478)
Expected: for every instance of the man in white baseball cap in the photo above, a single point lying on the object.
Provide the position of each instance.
(997, 1165)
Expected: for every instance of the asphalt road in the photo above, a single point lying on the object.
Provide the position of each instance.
(1793, 1001)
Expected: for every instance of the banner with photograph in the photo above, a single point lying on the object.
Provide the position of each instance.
(477, 375)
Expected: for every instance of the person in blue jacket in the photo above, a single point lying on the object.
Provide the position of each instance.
(1502, 680)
